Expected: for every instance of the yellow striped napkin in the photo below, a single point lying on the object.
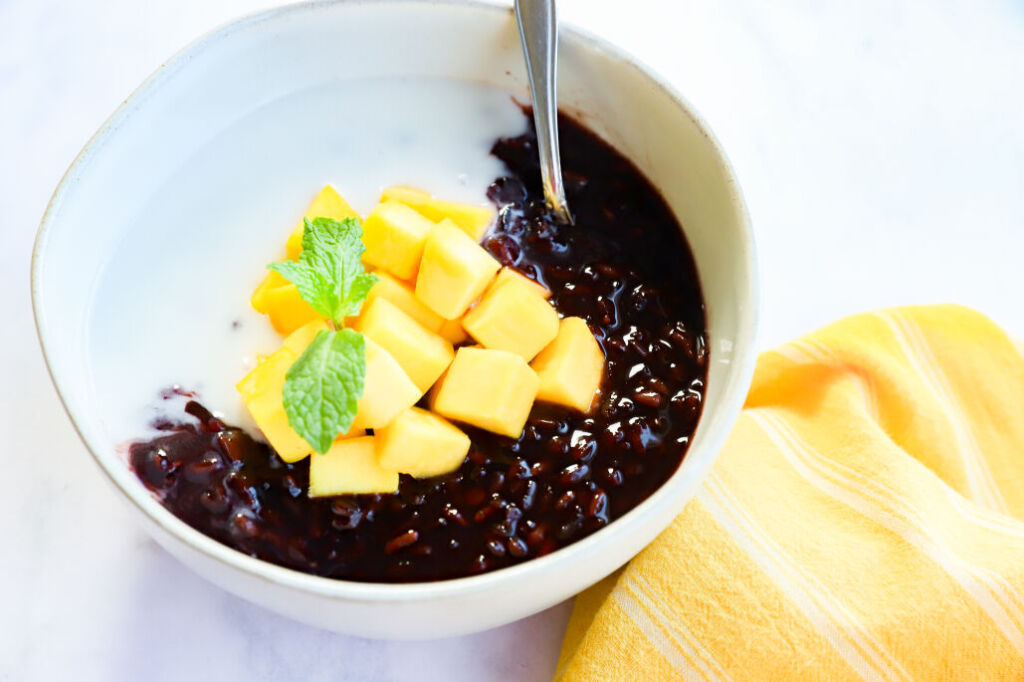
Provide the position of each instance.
(862, 522)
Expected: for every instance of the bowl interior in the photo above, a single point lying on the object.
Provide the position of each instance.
(160, 229)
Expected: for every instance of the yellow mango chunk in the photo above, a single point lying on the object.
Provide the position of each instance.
(452, 332)
(571, 367)
(473, 220)
(327, 204)
(513, 317)
(508, 274)
(394, 235)
(421, 444)
(261, 392)
(403, 296)
(491, 389)
(421, 353)
(278, 299)
(350, 467)
(303, 336)
(410, 196)
(387, 390)
(454, 271)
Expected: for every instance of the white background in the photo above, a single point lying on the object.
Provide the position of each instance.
(880, 145)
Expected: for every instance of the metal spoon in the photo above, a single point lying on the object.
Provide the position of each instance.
(538, 28)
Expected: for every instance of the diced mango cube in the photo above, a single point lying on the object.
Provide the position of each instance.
(387, 390)
(278, 298)
(513, 317)
(403, 296)
(571, 367)
(327, 204)
(508, 274)
(303, 336)
(454, 271)
(421, 444)
(350, 467)
(394, 235)
(422, 354)
(452, 332)
(473, 220)
(261, 391)
(410, 196)
(491, 389)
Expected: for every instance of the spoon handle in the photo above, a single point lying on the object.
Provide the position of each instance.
(539, 32)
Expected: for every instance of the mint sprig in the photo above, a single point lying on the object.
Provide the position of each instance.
(323, 386)
(329, 273)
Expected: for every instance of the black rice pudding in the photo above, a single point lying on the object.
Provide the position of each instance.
(626, 269)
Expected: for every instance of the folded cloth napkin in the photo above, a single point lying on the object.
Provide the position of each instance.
(862, 522)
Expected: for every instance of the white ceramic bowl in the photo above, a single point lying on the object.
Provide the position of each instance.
(238, 68)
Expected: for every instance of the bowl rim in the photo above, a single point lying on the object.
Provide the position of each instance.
(349, 590)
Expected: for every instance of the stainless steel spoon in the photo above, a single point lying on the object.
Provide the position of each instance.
(538, 28)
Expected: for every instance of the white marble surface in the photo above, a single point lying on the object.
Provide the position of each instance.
(881, 148)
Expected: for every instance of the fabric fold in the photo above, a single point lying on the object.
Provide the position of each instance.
(863, 521)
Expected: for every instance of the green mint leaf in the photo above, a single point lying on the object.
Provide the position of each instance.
(329, 273)
(323, 386)
(357, 292)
